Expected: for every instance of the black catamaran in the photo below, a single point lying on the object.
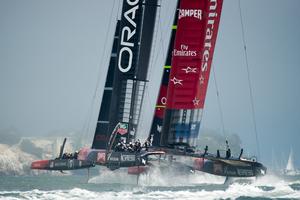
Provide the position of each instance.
(180, 102)
(123, 93)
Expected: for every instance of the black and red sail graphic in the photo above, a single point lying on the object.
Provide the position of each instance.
(196, 34)
(156, 128)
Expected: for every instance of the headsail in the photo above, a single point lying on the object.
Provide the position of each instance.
(196, 34)
(130, 66)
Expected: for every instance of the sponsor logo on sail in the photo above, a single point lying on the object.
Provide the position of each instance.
(184, 51)
(128, 31)
(209, 33)
(195, 13)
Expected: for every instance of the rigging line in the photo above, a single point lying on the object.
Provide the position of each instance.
(156, 27)
(158, 33)
(219, 103)
(101, 61)
(162, 48)
(249, 81)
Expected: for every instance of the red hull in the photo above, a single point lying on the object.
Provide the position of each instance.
(40, 164)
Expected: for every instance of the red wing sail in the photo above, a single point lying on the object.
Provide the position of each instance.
(196, 34)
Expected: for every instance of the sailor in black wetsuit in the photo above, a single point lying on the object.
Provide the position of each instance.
(123, 146)
(218, 153)
(146, 145)
(76, 154)
(205, 151)
(137, 146)
(228, 153)
(130, 147)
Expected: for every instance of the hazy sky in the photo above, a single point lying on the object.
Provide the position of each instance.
(54, 54)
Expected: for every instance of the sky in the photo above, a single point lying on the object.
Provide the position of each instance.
(54, 58)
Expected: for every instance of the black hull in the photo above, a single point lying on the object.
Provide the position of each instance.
(186, 163)
(62, 164)
(233, 167)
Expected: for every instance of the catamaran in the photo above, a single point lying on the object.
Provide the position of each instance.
(178, 112)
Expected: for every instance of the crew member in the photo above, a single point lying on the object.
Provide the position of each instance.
(137, 146)
(146, 145)
(218, 153)
(123, 145)
(227, 145)
(205, 150)
(130, 147)
(76, 154)
(228, 153)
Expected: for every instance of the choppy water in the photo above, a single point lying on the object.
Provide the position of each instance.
(157, 186)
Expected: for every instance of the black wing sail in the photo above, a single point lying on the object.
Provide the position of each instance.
(127, 98)
(100, 136)
(126, 78)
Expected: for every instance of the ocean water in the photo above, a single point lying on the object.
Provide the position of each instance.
(120, 185)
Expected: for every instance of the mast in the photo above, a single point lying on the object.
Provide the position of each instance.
(196, 34)
(132, 47)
